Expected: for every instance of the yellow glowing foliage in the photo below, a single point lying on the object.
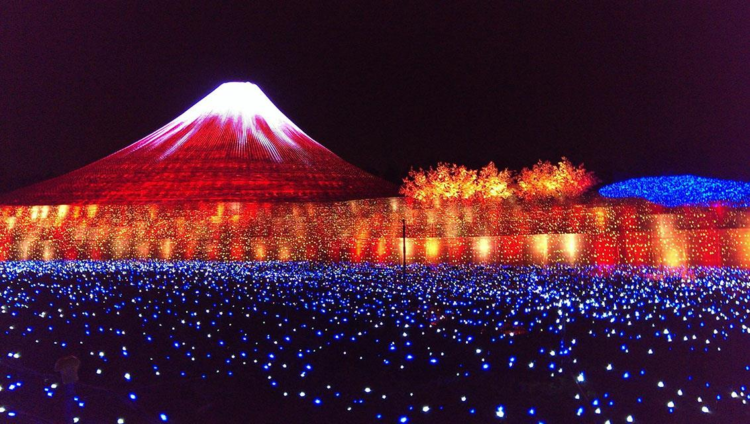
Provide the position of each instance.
(494, 184)
(545, 181)
(456, 182)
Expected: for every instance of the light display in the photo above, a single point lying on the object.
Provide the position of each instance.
(269, 288)
(681, 190)
(606, 232)
(544, 181)
(232, 146)
(218, 182)
(547, 181)
(303, 342)
(456, 182)
(493, 183)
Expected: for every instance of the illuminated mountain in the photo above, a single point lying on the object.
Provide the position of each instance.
(234, 146)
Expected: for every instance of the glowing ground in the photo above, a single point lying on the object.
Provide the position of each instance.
(300, 342)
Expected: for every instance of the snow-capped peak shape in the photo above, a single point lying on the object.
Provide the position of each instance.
(233, 145)
(235, 100)
(243, 109)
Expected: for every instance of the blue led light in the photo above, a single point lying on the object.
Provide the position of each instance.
(681, 190)
(245, 319)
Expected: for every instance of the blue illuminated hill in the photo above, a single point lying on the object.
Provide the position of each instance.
(681, 190)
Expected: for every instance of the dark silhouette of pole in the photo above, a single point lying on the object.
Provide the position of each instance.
(403, 263)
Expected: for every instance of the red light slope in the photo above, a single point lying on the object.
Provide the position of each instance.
(232, 146)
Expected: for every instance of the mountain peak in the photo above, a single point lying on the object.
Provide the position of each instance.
(233, 145)
(236, 100)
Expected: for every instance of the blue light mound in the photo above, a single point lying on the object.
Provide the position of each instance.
(681, 190)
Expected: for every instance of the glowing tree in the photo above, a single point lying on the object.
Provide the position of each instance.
(456, 182)
(494, 184)
(417, 186)
(447, 181)
(547, 181)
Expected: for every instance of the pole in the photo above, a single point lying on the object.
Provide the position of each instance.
(403, 264)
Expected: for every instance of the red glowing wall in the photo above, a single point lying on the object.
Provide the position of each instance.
(371, 230)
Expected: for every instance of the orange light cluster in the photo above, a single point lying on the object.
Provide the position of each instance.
(601, 232)
(546, 181)
(456, 182)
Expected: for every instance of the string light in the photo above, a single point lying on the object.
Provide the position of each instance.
(606, 233)
(681, 190)
(456, 182)
(234, 145)
(327, 332)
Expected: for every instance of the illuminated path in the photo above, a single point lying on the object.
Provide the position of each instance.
(285, 342)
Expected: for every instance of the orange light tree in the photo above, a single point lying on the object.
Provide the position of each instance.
(547, 181)
(456, 182)
(447, 181)
(493, 184)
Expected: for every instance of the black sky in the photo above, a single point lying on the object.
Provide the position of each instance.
(629, 88)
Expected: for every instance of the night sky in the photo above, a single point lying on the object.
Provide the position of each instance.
(630, 89)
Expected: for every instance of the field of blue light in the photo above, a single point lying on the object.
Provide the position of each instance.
(681, 190)
(299, 342)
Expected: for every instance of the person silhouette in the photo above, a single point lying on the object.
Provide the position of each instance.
(68, 366)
